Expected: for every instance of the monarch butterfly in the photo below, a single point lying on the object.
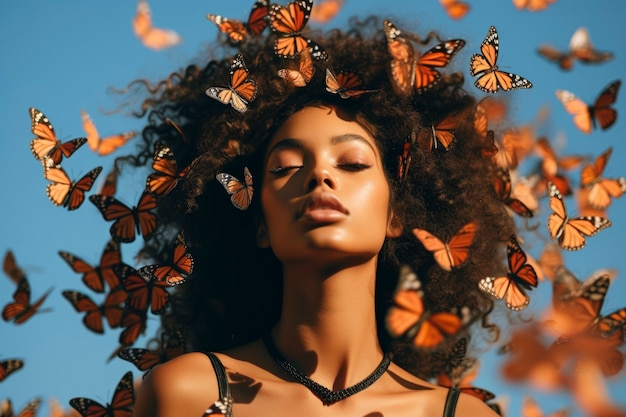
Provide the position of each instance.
(239, 31)
(510, 287)
(326, 10)
(451, 254)
(220, 408)
(455, 9)
(111, 309)
(347, 84)
(143, 291)
(11, 268)
(126, 220)
(29, 410)
(442, 132)
(69, 193)
(601, 189)
(612, 323)
(570, 232)
(46, 144)
(145, 359)
(177, 271)
(410, 71)
(8, 366)
(100, 145)
(502, 186)
(109, 186)
(288, 22)
(21, 309)
(304, 73)
(240, 192)
(150, 36)
(580, 48)
(240, 92)
(94, 277)
(167, 174)
(586, 116)
(134, 324)
(120, 405)
(530, 408)
(490, 78)
(408, 318)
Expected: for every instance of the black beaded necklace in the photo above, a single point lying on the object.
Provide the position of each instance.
(327, 396)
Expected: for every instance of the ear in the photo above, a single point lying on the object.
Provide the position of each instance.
(262, 237)
(394, 227)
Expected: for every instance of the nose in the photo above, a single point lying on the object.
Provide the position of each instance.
(320, 177)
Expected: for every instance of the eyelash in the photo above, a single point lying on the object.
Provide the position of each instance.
(351, 167)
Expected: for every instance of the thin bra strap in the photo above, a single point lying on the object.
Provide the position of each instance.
(220, 373)
(451, 400)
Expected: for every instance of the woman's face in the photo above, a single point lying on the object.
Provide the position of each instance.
(324, 193)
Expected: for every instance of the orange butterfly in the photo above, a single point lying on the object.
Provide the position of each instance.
(167, 174)
(143, 291)
(586, 116)
(347, 84)
(11, 268)
(453, 253)
(490, 78)
(145, 359)
(150, 36)
(120, 405)
(408, 318)
(177, 271)
(21, 308)
(326, 10)
(455, 9)
(127, 220)
(442, 132)
(571, 231)
(46, 147)
(532, 5)
(530, 408)
(510, 287)
(613, 323)
(404, 160)
(109, 187)
(8, 366)
(29, 410)
(412, 71)
(601, 189)
(220, 408)
(112, 308)
(580, 47)
(240, 92)
(240, 192)
(134, 324)
(106, 145)
(288, 22)
(239, 31)
(94, 277)
(301, 76)
(68, 193)
(502, 186)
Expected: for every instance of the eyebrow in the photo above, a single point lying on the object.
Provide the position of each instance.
(291, 143)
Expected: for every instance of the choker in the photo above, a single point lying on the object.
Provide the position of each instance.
(328, 397)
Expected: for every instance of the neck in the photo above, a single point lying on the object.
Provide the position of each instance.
(327, 328)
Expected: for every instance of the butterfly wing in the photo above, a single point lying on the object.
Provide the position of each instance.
(143, 291)
(11, 268)
(242, 90)
(7, 367)
(167, 175)
(289, 21)
(459, 245)
(577, 108)
(303, 74)
(83, 304)
(149, 35)
(180, 267)
(46, 144)
(403, 65)
(240, 192)
(426, 74)
(134, 324)
(235, 29)
(220, 408)
(120, 406)
(601, 111)
(143, 359)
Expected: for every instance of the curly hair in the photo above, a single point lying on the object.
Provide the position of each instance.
(234, 294)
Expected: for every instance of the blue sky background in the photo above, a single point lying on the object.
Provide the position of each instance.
(64, 56)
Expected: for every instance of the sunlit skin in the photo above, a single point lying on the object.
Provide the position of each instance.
(326, 214)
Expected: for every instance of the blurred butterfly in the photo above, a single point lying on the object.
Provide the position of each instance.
(451, 254)
(512, 287)
(587, 117)
(464, 383)
(68, 193)
(150, 36)
(601, 189)
(347, 84)
(120, 406)
(29, 410)
(11, 268)
(240, 92)
(134, 325)
(21, 308)
(8, 366)
(304, 73)
(502, 186)
(408, 318)
(56, 410)
(569, 231)
(288, 22)
(530, 408)
(325, 10)
(455, 9)
(532, 5)
(167, 174)
(239, 31)
(109, 186)
(240, 192)
(94, 277)
(613, 323)
(143, 291)
(177, 271)
(145, 359)
(409, 70)
(490, 78)
(46, 144)
(127, 220)
(100, 145)
(580, 48)
(220, 408)
(440, 133)
(111, 309)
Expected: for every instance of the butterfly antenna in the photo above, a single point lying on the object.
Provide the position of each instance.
(178, 129)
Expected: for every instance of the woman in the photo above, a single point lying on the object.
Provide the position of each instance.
(293, 291)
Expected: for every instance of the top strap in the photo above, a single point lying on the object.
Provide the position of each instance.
(220, 373)
(451, 400)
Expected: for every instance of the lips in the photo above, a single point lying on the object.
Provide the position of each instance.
(323, 207)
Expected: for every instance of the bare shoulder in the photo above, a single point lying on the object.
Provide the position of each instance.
(184, 386)
(470, 406)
